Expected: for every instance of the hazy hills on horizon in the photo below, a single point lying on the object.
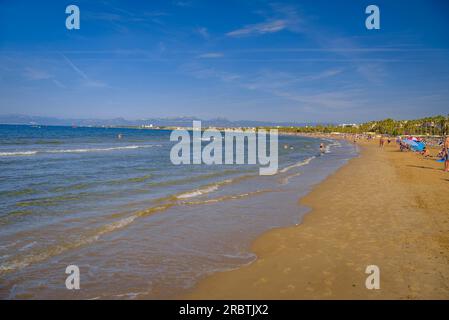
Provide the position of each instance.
(20, 119)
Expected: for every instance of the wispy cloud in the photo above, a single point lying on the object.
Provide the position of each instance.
(75, 68)
(290, 87)
(33, 74)
(182, 3)
(86, 80)
(259, 28)
(337, 49)
(269, 80)
(323, 75)
(200, 72)
(281, 18)
(369, 68)
(203, 32)
(36, 74)
(286, 85)
(332, 99)
(58, 83)
(372, 72)
(211, 55)
(122, 19)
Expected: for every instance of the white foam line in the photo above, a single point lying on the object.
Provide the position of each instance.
(299, 164)
(33, 152)
(204, 190)
(19, 153)
(57, 250)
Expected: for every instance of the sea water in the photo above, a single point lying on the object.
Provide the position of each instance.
(136, 225)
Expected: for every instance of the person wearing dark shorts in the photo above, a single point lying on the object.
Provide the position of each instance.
(446, 155)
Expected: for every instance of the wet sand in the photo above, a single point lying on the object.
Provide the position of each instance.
(384, 208)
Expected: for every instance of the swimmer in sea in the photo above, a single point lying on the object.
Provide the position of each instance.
(321, 148)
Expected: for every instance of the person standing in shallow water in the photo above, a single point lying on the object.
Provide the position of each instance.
(321, 148)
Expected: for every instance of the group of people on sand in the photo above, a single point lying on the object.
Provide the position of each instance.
(384, 139)
(443, 155)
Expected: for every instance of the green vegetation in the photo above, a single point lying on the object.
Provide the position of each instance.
(438, 125)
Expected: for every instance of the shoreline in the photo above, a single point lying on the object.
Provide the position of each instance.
(393, 215)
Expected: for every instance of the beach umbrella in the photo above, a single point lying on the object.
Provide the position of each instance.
(421, 145)
(410, 142)
(415, 146)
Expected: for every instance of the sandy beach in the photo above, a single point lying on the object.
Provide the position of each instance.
(384, 208)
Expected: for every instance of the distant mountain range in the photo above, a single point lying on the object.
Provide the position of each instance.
(121, 122)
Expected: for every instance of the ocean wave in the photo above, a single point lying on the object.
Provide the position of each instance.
(18, 153)
(32, 254)
(49, 201)
(198, 192)
(327, 149)
(298, 164)
(210, 188)
(140, 178)
(20, 192)
(27, 246)
(98, 149)
(81, 150)
(193, 178)
(204, 190)
(286, 180)
(229, 197)
(8, 142)
(42, 254)
(48, 252)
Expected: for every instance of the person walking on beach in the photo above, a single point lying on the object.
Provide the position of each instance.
(381, 142)
(446, 154)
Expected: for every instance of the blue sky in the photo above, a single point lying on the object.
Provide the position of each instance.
(260, 60)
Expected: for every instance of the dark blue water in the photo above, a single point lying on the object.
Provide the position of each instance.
(110, 201)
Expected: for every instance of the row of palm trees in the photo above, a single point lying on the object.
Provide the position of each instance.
(434, 126)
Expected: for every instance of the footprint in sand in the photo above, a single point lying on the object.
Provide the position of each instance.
(310, 289)
(289, 288)
(260, 281)
(287, 270)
